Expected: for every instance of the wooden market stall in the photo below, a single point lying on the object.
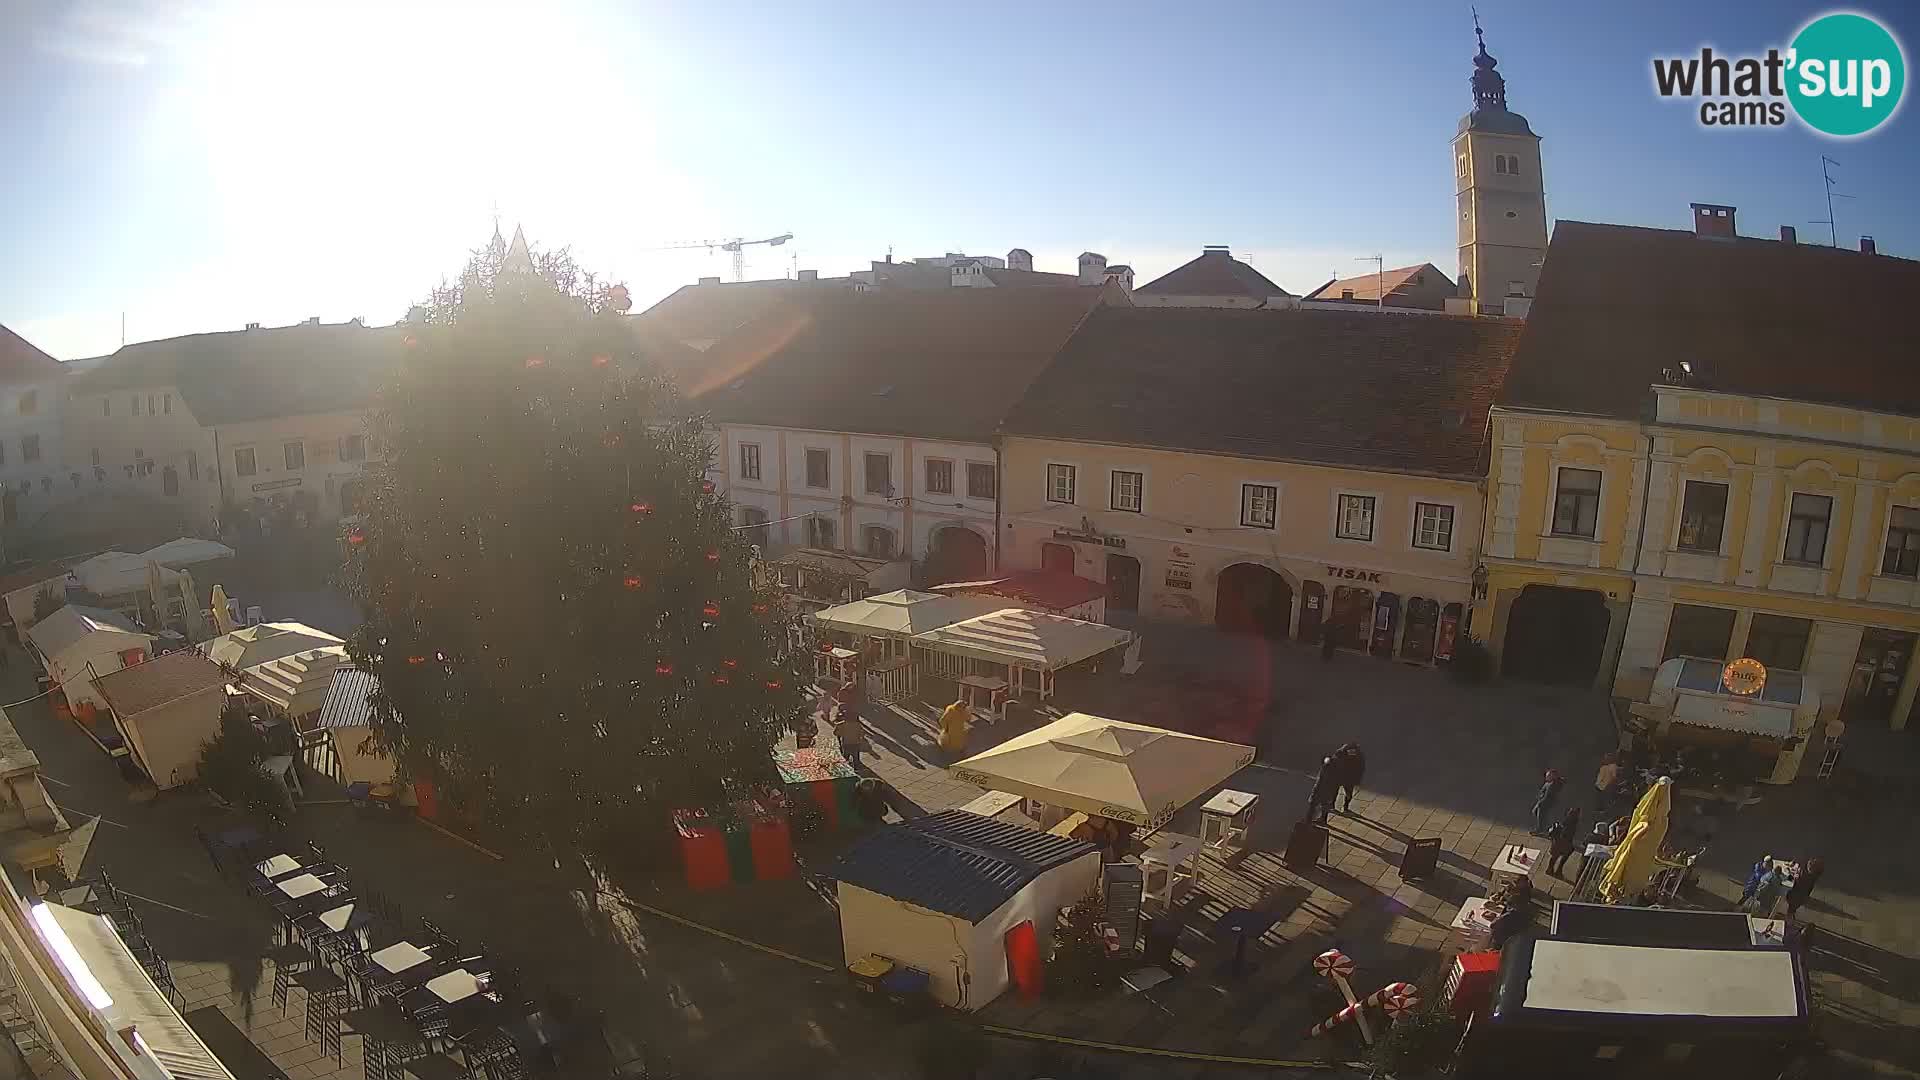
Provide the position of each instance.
(79, 644)
(167, 708)
(886, 623)
(1026, 647)
(1123, 772)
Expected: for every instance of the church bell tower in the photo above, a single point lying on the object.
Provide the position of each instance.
(1500, 196)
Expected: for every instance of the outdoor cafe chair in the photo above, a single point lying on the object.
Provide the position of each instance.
(288, 961)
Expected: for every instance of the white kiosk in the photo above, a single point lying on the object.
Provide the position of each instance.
(1770, 711)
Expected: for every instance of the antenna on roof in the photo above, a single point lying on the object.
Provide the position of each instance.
(1833, 230)
(1379, 276)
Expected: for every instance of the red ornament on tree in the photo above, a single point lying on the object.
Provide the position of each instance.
(706, 487)
(612, 440)
(774, 684)
(641, 508)
(356, 537)
(721, 680)
(713, 555)
(409, 341)
(730, 663)
(633, 581)
(536, 361)
(759, 609)
(663, 668)
(711, 611)
(416, 660)
(601, 359)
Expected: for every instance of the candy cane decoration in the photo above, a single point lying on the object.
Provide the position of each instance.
(1400, 993)
(1336, 966)
(1333, 962)
(1402, 1001)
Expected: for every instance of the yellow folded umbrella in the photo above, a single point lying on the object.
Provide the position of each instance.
(1634, 860)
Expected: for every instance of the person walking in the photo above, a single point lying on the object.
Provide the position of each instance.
(1604, 780)
(1803, 885)
(1563, 838)
(1326, 787)
(955, 720)
(1353, 769)
(1543, 802)
(852, 735)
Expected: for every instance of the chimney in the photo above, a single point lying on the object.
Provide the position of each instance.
(313, 320)
(1788, 235)
(1221, 250)
(253, 326)
(1093, 268)
(1866, 246)
(709, 281)
(1020, 259)
(809, 275)
(1714, 220)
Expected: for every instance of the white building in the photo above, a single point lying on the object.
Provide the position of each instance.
(32, 467)
(864, 422)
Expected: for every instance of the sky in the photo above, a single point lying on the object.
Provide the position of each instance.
(196, 166)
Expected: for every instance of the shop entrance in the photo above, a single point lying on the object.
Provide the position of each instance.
(1313, 611)
(1350, 620)
(957, 554)
(1123, 583)
(1878, 669)
(1057, 558)
(1423, 622)
(1253, 600)
(1555, 635)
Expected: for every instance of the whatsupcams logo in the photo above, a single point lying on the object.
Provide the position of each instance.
(1843, 75)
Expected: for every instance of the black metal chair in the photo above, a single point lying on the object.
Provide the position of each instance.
(326, 998)
(288, 961)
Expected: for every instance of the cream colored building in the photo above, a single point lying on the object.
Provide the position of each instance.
(1691, 461)
(1272, 471)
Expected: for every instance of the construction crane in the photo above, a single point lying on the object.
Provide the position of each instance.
(737, 246)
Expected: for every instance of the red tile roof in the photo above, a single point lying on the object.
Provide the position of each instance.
(1214, 273)
(1356, 388)
(1617, 305)
(935, 364)
(706, 313)
(149, 685)
(1422, 282)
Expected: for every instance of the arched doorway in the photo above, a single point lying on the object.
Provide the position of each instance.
(1123, 583)
(1058, 558)
(1253, 599)
(1555, 635)
(956, 553)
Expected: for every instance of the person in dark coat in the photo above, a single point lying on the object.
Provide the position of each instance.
(1543, 803)
(1326, 787)
(1353, 769)
(1803, 885)
(1327, 643)
(1562, 839)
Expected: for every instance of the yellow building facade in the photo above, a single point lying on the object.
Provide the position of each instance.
(1725, 526)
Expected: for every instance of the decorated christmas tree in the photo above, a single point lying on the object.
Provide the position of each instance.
(563, 623)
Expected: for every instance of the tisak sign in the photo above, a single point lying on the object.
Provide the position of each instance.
(1745, 677)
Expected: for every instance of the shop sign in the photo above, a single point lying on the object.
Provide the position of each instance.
(1352, 574)
(1745, 677)
(276, 485)
(1090, 538)
(1179, 568)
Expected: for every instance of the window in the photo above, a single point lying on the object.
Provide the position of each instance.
(1500, 163)
(1807, 520)
(3, 453)
(1576, 505)
(134, 409)
(981, 480)
(296, 452)
(1699, 631)
(749, 461)
(150, 411)
(1703, 516)
(939, 476)
(30, 448)
(753, 522)
(1060, 482)
(820, 532)
(1433, 526)
(96, 455)
(166, 404)
(819, 468)
(880, 474)
(106, 406)
(1126, 492)
(243, 461)
(1903, 543)
(1259, 505)
(29, 403)
(353, 448)
(1779, 642)
(193, 464)
(1355, 520)
(879, 541)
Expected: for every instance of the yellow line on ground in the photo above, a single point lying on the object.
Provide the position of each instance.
(1154, 1051)
(737, 940)
(454, 836)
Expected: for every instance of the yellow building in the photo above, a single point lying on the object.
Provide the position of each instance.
(1273, 471)
(1709, 446)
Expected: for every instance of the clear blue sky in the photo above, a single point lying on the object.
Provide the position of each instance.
(199, 166)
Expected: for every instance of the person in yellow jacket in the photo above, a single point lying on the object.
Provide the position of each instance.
(955, 719)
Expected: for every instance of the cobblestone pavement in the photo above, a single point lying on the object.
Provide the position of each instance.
(1444, 760)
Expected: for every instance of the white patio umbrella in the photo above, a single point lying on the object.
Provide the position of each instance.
(1108, 768)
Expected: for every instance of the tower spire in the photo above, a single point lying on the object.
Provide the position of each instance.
(1489, 88)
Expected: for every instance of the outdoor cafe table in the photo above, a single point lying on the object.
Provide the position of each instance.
(971, 686)
(300, 885)
(404, 956)
(456, 985)
(1516, 861)
(278, 866)
(1473, 916)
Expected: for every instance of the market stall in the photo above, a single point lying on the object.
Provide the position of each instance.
(1124, 772)
(79, 644)
(1027, 647)
(340, 742)
(166, 709)
(958, 903)
(882, 627)
(1753, 721)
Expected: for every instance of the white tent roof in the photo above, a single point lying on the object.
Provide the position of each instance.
(250, 646)
(298, 683)
(186, 551)
(904, 613)
(117, 573)
(1110, 768)
(131, 998)
(1031, 639)
(69, 626)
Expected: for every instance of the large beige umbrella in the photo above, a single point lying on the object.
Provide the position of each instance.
(222, 611)
(1108, 768)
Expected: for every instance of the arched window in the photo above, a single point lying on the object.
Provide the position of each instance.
(879, 541)
(1500, 163)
